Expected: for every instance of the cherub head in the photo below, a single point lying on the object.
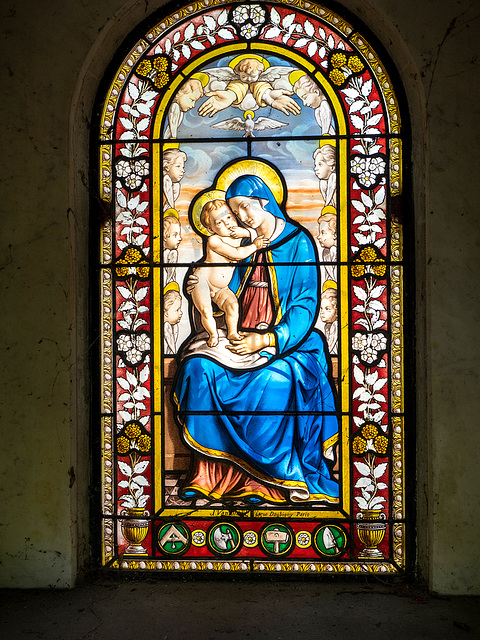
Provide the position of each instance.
(172, 235)
(327, 230)
(308, 92)
(188, 94)
(217, 217)
(174, 164)
(249, 70)
(328, 306)
(172, 307)
(324, 161)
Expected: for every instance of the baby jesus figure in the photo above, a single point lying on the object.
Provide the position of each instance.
(223, 247)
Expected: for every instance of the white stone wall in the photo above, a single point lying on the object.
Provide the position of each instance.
(53, 57)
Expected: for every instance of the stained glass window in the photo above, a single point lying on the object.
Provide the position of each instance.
(251, 269)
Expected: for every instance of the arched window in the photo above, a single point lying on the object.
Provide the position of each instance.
(251, 269)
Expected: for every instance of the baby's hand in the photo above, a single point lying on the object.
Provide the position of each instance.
(261, 243)
(191, 283)
(239, 232)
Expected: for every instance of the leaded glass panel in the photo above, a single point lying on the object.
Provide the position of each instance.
(251, 296)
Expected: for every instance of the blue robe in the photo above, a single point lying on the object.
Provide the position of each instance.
(287, 421)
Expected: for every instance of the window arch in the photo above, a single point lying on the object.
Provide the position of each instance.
(256, 424)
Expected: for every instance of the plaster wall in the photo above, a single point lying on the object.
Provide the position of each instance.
(55, 54)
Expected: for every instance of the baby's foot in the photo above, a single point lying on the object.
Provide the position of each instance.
(234, 336)
(212, 341)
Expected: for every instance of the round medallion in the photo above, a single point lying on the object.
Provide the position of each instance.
(276, 539)
(329, 540)
(304, 539)
(250, 539)
(173, 538)
(224, 539)
(198, 538)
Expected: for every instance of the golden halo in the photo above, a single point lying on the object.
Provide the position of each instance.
(233, 63)
(329, 284)
(171, 213)
(171, 145)
(327, 141)
(203, 77)
(329, 209)
(296, 75)
(246, 113)
(198, 204)
(171, 286)
(252, 167)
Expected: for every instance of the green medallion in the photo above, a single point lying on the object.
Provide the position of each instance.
(173, 538)
(277, 539)
(329, 540)
(224, 539)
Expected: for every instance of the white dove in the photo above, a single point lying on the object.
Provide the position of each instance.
(248, 124)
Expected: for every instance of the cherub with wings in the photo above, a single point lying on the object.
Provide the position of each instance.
(247, 83)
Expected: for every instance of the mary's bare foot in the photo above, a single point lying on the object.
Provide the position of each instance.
(212, 341)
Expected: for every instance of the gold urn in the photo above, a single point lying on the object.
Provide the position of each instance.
(371, 532)
(135, 529)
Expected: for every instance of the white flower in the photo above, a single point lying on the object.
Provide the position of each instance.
(303, 539)
(240, 14)
(367, 169)
(369, 345)
(124, 342)
(257, 14)
(143, 342)
(249, 18)
(134, 355)
(357, 164)
(132, 172)
(198, 537)
(250, 537)
(248, 31)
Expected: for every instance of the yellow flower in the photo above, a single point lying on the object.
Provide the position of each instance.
(337, 77)
(144, 68)
(123, 444)
(355, 64)
(368, 254)
(132, 255)
(143, 443)
(338, 60)
(380, 443)
(122, 271)
(143, 272)
(161, 79)
(358, 270)
(379, 269)
(369, 430)
(359, 445)
(132, 430)
(160, 64)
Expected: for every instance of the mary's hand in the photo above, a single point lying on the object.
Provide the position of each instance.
(191, 283)
(249, 343)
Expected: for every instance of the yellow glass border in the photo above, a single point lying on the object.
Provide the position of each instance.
(106, 337)
(242, 565)
(397, 355)
(107, 479)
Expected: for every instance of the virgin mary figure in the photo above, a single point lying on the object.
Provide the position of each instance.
(259, 413)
